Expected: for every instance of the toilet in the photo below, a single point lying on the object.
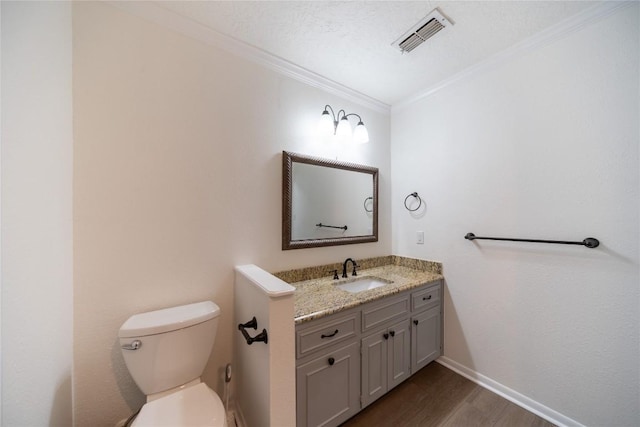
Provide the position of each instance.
(166, 351)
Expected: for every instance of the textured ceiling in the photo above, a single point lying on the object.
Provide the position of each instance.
(350, 42)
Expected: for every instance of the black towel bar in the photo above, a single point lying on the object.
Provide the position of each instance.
(344, 227)
(253, 323)
(589, 242)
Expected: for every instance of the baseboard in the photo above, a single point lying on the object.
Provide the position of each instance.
(513, 396)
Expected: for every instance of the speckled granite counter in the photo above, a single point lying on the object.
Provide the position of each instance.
(317, 296)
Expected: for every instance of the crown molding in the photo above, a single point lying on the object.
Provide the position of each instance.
(562, 29)
(186, 26)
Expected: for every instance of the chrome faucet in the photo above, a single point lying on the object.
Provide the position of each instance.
(344, 267)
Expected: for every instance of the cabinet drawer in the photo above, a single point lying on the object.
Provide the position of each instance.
(425, 298)
(325, 333)
(381, 313)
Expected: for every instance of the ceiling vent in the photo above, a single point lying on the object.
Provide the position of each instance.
(422, 31)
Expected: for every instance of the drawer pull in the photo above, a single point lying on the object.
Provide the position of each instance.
(331, 361)
(392, 333)
(386, 336)
(330, 335)
(415, 322)
(426, 298)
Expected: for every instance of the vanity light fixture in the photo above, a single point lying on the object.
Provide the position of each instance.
(339, 126)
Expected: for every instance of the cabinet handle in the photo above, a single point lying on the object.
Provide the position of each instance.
(330, 335)
(415, 322)
(426, 298)
(386, 336)
(331, 361)
(392, 333)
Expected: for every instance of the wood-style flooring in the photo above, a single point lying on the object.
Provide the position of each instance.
(437, 396)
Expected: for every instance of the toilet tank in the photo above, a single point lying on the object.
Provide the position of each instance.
(174, 345)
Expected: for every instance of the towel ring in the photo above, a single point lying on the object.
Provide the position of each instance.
(414, 194)
(365, 204)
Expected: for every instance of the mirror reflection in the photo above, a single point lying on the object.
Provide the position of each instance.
(327, 202)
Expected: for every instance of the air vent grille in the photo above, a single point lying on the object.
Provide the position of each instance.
(420, 36)
(422, 31)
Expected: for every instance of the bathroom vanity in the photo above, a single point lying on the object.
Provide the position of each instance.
(352, 346)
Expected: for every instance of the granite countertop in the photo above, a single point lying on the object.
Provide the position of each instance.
(318, 296)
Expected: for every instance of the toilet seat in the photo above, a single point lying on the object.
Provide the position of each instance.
(196, 405)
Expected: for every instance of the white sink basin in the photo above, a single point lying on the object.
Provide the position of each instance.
(363, 284)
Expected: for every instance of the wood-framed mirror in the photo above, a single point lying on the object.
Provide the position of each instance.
(327, 202)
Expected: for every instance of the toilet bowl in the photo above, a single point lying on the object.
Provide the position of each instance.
(166, 352)
(196, 405)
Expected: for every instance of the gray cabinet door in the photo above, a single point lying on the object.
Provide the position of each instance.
(425, 338)
(386, 360)
(399, 358)
(328, 388)
(374, 366)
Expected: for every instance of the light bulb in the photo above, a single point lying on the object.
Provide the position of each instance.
(360, 134)
(326, 127)
(343, 133)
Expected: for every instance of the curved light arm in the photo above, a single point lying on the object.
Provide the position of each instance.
(354, 114)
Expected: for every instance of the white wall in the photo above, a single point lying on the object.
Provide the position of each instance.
(544, 146)
(177, 179)
(37, 253)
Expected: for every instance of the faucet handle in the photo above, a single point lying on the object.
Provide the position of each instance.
(335, 274)
(355, 273)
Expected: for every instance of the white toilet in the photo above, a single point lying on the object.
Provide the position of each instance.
(166, 351)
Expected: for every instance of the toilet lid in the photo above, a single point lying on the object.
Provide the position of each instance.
(197, 405)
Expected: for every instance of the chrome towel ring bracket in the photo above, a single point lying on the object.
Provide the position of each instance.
(414, 194)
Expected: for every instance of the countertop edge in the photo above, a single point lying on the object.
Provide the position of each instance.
(370, 296)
